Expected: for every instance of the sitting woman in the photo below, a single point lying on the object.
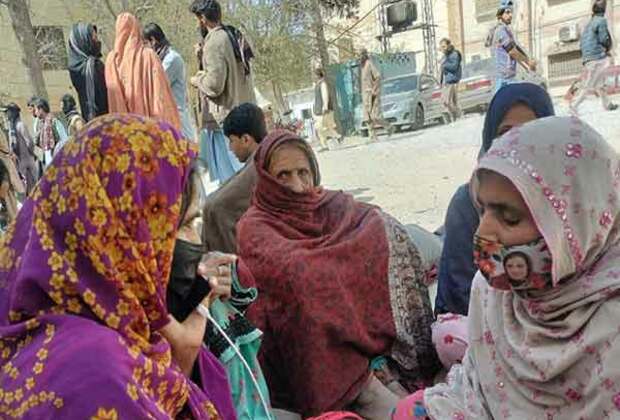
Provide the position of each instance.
(514, 104)
(234, 341)
(545, 347)
(84, 330)
(341, 291)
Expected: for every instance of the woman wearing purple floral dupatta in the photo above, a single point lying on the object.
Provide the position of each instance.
(83, 276)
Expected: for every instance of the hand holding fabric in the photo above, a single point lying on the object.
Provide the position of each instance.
(216, 267)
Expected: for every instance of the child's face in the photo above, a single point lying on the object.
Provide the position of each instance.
(516, 268)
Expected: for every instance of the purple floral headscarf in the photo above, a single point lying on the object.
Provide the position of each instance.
(83, 274)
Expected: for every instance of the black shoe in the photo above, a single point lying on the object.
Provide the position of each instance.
(612, 107)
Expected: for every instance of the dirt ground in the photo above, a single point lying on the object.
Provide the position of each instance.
(414, 175)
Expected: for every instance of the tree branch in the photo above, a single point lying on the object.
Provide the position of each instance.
(109, 7)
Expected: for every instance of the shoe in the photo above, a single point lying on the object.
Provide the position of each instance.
(612, 107)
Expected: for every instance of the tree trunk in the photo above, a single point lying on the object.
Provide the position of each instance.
(321, 45)
(22, 26)
(281, 105)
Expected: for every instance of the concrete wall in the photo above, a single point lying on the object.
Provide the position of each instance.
(13, 78)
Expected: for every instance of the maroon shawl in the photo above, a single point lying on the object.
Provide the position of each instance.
(321, 264)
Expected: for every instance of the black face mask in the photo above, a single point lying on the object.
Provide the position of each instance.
(185, 262)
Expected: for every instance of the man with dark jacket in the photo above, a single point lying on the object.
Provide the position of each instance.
(451, 71)
(245, 127)
(595, 51)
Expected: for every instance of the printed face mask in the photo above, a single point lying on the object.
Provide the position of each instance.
(520, 268)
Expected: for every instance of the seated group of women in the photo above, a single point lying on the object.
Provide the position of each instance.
(103, 310)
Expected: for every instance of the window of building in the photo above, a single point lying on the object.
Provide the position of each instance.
(50, 41)
(565, 64)
(486, 9)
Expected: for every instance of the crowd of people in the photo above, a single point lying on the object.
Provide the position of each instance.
(128, 292)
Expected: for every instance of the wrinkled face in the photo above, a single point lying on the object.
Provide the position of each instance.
(518, 114)
(507, 17)
(241, 146)
(291, 167)
(504, 216)
(187, 228)
(516, 268)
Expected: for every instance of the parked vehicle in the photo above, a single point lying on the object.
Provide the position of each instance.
(612, 82)
(410, 101)
(477, 86)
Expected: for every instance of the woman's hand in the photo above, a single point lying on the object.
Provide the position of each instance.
(216, 268)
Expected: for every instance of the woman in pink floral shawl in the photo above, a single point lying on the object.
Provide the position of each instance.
(542, 349)
(83, 275)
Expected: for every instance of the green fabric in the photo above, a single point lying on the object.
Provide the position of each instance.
(245, 395)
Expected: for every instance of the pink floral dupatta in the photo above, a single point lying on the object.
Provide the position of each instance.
(553, 354)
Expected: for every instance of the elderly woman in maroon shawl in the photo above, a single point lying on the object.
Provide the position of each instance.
(84, 331)
(341, 291)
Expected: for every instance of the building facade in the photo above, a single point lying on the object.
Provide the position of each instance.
(549, 30)
(52, 21)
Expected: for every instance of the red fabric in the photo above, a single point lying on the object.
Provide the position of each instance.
(320, 263)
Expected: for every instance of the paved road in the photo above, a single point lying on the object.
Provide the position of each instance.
(413, 175)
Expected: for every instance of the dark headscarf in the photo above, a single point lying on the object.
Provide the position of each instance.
(84, 54)
(529, 94)
(241, 47)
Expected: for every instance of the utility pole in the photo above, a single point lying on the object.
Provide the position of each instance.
(428, 34)
(385, 31)
(462, 27)
(427, 25)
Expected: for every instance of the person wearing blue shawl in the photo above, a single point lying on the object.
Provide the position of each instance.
(514, 104)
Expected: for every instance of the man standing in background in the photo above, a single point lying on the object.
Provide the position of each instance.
(505, 48)
(371, 96)
(174, 66)
(245, 127)
(323, 111)
(451, 72)
(225, 82)
(595, 47)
